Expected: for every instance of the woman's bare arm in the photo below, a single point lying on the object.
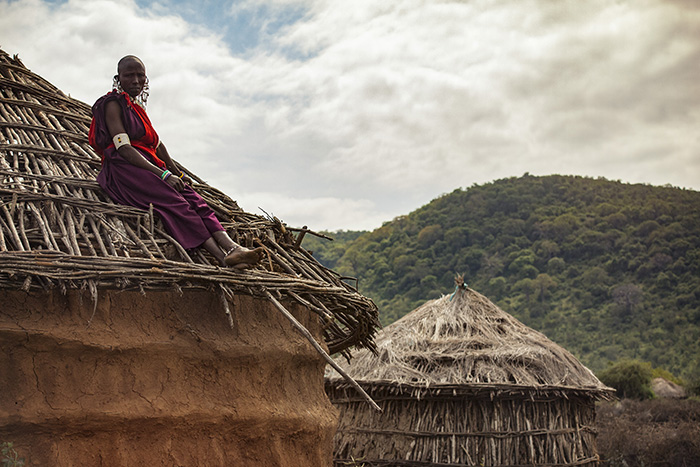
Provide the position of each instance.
(115, 125)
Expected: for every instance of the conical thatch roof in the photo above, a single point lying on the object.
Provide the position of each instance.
(58, 229)
(466, 341)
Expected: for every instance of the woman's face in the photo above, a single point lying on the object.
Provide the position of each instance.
(132, 76)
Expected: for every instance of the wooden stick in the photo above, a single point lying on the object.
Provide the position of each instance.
(87, 241)
(151, 221)
(138, 241)
(22, 232)
(300, 237)
(64, 233)
(44, 226)
(3, 245)
(320, 350)
(98, 236)
(177, 245)
(224, 303)
(70, 221)
(12, 230)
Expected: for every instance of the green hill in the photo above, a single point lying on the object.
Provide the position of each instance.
(606, 269)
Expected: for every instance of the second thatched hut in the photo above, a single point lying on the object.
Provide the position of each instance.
(461, 382)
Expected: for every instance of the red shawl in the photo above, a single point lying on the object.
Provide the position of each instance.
(135, 121)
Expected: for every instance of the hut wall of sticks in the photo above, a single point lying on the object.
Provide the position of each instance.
(461, 382)
(119, 347)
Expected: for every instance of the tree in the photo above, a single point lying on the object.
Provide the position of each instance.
(491, 264)
(497, 286)
(524, 259)
(646, 228)
(627, 297)
(555, 265)
(631, 379)
(526, 287)
(457, 237)
(546, 249)
(542, 284)
(561, 226)
(429, 235)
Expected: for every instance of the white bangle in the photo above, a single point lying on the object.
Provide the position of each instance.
(120, 140)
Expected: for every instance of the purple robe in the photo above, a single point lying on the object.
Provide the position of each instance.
(185, 215)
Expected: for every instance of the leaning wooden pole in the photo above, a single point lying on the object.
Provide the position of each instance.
(300, 327)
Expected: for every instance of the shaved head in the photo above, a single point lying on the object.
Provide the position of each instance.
(128, 59)
(131, 77)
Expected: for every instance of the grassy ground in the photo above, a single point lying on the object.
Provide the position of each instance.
(657, 432)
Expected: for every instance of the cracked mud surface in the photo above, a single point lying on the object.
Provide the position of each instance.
(160, 380)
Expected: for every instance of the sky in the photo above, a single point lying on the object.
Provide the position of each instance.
(342, 115)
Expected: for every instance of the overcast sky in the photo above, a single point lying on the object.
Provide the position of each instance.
(342, 114)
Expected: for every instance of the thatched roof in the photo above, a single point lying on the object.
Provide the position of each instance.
(465, 343)
(59, 229)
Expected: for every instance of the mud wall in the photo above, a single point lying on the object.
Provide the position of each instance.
(160, 379)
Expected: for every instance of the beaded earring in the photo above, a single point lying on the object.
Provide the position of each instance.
(116, 85)
(143, 97)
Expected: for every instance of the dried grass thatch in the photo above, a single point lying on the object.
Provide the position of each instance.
(461, 382)
(58, 229)
(468, 340)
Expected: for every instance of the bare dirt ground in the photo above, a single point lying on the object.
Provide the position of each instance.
(159, 380)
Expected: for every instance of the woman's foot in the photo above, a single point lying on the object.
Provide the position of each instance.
(242, 258)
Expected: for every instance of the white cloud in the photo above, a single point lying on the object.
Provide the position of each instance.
(332, 213)
(391, 103)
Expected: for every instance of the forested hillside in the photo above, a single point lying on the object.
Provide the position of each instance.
(606, 269)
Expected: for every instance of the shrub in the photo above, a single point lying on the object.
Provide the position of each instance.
(667, 375)
(631, 379)
(659, 432)
(10, 458)
(693, 386)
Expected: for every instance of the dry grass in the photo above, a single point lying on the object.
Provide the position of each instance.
(468, 340)
(658, 432)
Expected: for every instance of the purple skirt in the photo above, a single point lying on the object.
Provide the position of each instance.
(185, 215)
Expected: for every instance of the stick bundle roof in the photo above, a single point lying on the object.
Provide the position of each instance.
(58, 229)
(465, 342)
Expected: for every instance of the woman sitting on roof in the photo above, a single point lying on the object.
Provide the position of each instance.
(137, 169)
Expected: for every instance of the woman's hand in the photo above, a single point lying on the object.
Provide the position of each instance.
(175, 182)
(162, 153)
(186, 179)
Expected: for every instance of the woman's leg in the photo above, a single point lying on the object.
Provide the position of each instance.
(233, 254)
(213, 247)
(224, 240)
